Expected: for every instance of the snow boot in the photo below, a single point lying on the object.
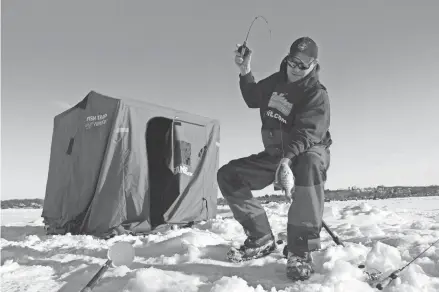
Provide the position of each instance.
(299, 267)
(253, 248)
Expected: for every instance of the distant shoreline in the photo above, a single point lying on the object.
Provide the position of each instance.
(350, 194)
(373, 193)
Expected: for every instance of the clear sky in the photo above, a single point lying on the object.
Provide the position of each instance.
(379, 62)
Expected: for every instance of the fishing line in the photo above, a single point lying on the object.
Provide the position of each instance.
(243, 49)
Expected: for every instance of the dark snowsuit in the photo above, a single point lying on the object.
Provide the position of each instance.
(295, 122)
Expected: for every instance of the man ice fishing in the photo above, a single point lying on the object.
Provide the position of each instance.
(295, 113)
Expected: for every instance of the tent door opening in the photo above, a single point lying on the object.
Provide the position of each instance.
(164, 185)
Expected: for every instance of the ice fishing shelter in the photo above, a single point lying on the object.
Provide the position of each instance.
(119, 165)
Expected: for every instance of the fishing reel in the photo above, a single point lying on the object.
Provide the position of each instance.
(243, 50)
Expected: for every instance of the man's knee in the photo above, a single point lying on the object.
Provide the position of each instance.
(223, 172)
(309, 169)
(225, 175)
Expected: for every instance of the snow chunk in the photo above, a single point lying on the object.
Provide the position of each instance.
(152, 280)
(15, 277)
(234, 283)
(384, 257)
(420, 225)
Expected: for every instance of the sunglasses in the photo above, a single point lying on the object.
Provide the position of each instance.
(294, 63)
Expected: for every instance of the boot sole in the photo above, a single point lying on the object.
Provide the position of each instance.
(292, 275)
(235, 255)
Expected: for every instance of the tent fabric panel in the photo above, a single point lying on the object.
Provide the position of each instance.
(194, 199)
(188, 141)
(60, 171)
(95, 129)
(136, 183)
(121, 195)
(103, 212)
(81, 134)
(210, 168)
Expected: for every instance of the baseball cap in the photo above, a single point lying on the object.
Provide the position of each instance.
(305, 49)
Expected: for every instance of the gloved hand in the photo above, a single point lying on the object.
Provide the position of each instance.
(243, 60)
(284, 178)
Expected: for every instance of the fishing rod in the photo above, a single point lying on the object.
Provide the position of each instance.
(243, 49)
(387, 280)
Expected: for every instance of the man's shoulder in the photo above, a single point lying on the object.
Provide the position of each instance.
(317, 88)
(316, 94)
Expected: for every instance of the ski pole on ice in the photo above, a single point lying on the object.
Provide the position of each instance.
(119, 254)
(334, 237)
(387, 280)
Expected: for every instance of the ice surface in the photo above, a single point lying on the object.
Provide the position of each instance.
(384, 234)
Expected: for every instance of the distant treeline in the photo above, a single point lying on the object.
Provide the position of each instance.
(23, 204)
(352, 193)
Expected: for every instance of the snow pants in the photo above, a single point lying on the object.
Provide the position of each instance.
(239, 177)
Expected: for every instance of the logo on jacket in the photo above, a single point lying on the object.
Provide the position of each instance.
(278, 101)
(276, 116)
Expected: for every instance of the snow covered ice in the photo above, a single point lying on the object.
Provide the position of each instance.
(383, 234)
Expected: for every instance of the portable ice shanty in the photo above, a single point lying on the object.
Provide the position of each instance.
(119, 165)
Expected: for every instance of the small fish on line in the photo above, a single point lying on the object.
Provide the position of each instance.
(285, 179)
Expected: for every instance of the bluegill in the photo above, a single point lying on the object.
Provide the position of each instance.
(285, 180)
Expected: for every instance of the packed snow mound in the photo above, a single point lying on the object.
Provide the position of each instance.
(384, 235)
